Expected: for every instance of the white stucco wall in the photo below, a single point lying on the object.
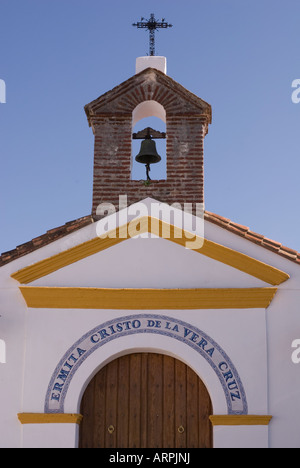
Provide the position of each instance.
(258, 342)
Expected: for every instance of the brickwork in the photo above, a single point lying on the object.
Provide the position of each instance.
(187, 119)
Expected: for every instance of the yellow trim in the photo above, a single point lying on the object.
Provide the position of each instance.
(240, 420)
(49, 418)
(208, 248)
(230, 257)
(146, 299)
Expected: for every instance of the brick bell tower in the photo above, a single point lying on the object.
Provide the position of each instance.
(150, 92)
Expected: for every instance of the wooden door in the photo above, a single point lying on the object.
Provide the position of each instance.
(146, 400)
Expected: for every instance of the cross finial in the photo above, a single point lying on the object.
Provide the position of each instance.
(152, 25)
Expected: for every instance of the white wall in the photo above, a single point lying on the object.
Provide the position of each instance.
(257, 342)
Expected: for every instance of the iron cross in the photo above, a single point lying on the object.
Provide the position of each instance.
(152, 25)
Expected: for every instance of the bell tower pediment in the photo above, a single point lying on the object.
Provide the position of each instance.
(149, 84)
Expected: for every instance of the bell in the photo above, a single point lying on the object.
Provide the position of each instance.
(148, 154)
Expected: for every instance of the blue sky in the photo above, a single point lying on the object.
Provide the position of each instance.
(241, 56)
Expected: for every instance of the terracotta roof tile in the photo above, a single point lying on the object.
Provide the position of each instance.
(44, 239)
(217, 218)
(259, 239)
(289, 251)
(255, 238)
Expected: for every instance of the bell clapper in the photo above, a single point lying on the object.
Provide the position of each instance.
(148, 169)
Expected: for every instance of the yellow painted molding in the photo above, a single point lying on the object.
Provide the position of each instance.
(243, 263)
(230, 257)
(49, 418)
(238, 260)
(147, 299)
(240, 420)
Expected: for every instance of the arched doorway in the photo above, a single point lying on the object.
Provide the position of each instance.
(146, 400)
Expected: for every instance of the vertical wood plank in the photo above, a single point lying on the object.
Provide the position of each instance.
(135, 401)
(99, 409)
(192, 429)
(144, 400)
(155, 401)
(205, 410)
(123, 402)
(168, 402)
(180, 404)
(87, 424)
(111, 403)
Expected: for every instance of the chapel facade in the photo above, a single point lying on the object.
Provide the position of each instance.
(151, 322)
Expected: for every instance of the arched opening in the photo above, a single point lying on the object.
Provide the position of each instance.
(146, 400)
(149, 114)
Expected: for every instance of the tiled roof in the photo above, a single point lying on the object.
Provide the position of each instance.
(258, 239)
(72, 226)
(44, 239)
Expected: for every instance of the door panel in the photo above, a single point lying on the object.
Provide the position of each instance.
(146, 400)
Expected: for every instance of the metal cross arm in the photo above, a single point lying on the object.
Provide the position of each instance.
(152, 25)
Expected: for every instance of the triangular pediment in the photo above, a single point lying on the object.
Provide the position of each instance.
(151, 262)
(146, 264)
(149, 84)
(155, 227)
